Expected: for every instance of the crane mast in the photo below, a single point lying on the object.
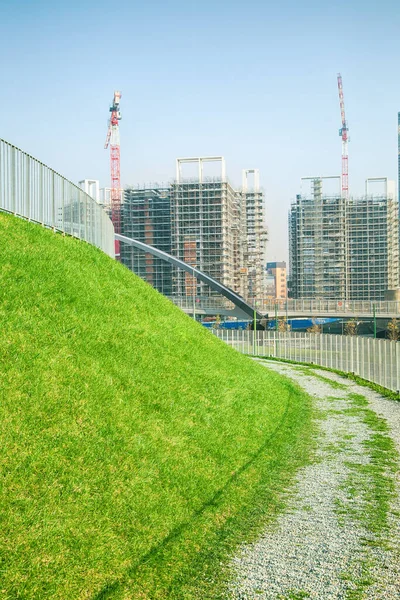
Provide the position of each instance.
(344, 134)
(113, 141)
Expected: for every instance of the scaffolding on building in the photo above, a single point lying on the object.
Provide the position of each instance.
(253, 201)
(373, 246)
(344, 248)
(203, 221)
(205, 224)
(146, 217)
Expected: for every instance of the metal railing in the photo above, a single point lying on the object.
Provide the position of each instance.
(375, 360)
(299, 308)
(211, 302)
(30, 189)
(320, 307)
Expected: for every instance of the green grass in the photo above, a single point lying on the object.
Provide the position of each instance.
(306, 370)
(352, 376)
(371, 490)
(136, 449)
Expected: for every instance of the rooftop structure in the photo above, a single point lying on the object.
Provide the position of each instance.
(91, 187)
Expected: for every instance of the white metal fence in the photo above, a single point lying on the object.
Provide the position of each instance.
(372, 359)
(30, 189)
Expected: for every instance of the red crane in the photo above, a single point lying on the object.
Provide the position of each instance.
(113, 141)
(344, 134)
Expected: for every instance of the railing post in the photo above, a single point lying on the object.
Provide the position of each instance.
(336, 352)
(379, 362)
(254, 329)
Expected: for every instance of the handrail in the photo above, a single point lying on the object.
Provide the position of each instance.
(31, 189)
(320, 307)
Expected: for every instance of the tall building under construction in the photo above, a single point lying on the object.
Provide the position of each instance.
(373, 241)
(204, 221)
(206, 228)
(252, 200)
(146, 217)
(344, 248)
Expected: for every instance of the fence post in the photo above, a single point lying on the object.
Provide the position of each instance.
(379, 362)
(12, 181)
(356, 368)
(372, 360)
(351, 354)
(362, 359)
(254, 330)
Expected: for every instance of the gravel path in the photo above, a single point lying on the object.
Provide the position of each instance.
(323, 546)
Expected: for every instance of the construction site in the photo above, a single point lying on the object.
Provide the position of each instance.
(339, 246)
(203, 221)
(344, 248)
(146, 216)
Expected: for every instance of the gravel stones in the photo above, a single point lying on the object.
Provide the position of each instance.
(316, 549)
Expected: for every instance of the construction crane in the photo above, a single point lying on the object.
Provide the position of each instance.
(344, 134)
(113, 141)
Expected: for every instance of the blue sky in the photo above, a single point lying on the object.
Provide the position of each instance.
(252, 81)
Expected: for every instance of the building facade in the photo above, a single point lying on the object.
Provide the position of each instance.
(317, 241)
(277, 270)
(146, 217)
(206, 218)
(398, 155)
(373, 242)
(203, 221)
(252, 200)
(342, 248)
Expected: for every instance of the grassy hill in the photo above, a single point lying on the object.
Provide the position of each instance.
(136, 449)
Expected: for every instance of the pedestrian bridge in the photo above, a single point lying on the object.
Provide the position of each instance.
(330, 308)
(341, 309)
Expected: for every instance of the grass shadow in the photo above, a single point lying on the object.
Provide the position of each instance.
(110, 588)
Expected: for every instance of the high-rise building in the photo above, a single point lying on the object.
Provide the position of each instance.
(256, 238)
(206, 216)
(203, 221)
(317, 243)
(219, 229)
(398, 155)
(373, 242)
(146, 217)
(398, 174)
(344, 248)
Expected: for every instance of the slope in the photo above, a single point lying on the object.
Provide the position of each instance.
(136, 449)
